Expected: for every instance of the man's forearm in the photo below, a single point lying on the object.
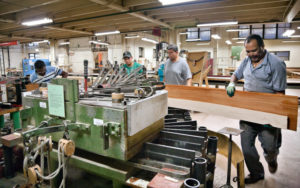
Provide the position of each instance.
(64, 74)
(189, 82)
(233, 79)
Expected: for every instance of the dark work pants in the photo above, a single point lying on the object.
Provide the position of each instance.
(270, 139)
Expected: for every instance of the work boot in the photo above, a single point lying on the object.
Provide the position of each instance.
(253, 179)
(273, 166)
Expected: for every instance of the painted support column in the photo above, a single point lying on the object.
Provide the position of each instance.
(16, 120)
(1, 121)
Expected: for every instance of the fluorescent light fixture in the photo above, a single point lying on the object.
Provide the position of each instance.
(288, 32)
(64, 43)
(238, 38)
(132, 37)
(295, 36)
(107, 33)
(217, 24)
(192, 40)
(149, 40)
(234, 30)
(37, 22)
(183, 33)
(228, 42)
(241, 42)
(43, 41)
(203, 44)
(215, 36)
(37, 50)
(291, 41)
(169, 2)
(298, 27)
(100, 43)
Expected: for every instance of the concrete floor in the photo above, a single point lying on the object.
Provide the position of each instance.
(288, 173)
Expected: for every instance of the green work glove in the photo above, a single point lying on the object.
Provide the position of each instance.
(230, 89)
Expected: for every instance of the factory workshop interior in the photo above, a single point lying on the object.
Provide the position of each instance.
(149, 93)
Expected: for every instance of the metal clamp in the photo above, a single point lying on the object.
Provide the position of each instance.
(110, 129)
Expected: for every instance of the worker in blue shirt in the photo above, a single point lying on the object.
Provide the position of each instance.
(266, 73)
(44, 74)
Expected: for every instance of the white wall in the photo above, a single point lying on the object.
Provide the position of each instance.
(294, 48)
(80, 49)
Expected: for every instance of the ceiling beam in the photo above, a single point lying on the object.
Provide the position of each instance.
(10, 11)
(69, 30)
(20, 37)
(293, 12)
(214, 6)
(235, 13)
(6, 20)
(136, 14)
(131, 3)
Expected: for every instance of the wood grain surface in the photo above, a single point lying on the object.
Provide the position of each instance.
(271, 103)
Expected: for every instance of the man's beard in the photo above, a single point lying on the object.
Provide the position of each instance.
(258, 57)
(255, 58)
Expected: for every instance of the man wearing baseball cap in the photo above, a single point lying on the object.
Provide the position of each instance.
(129, 64)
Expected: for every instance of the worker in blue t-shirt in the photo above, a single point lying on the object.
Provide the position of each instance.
(44, 74)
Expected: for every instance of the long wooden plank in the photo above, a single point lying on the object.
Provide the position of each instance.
(276, 104)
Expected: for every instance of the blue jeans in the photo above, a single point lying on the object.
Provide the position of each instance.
(270, 139)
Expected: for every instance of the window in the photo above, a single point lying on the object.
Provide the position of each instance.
(282, 27)
(257, 29)
(284, 55)
(245, 31)
(203, 33)
(141, 52)
(192, 33)
(266, 31)
(270, 31)
(32, 55)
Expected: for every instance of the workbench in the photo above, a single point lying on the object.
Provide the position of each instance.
(14, 115)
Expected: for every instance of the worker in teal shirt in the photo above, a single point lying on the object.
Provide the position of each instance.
(129, 64)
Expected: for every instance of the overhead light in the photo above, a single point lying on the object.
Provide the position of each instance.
(192, 40)
(37, 50)
(64, 43)
(290, 41)
(215, 36)
(169, 2)
(203, 44)
(240, 42)
(295, 36)
(185, 33)
(37, 22)
(288, 32)
(234, 30)
(228, 42)
(238, 38)
(298, 27)
(107, 33)
(131, 37)
(100, 43)
(217, 24)
(43, 41)
(149, 40)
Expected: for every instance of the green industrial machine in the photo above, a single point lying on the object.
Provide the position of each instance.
(99, 126)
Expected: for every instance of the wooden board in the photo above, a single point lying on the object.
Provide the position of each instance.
(271, 104)
(9, 110)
